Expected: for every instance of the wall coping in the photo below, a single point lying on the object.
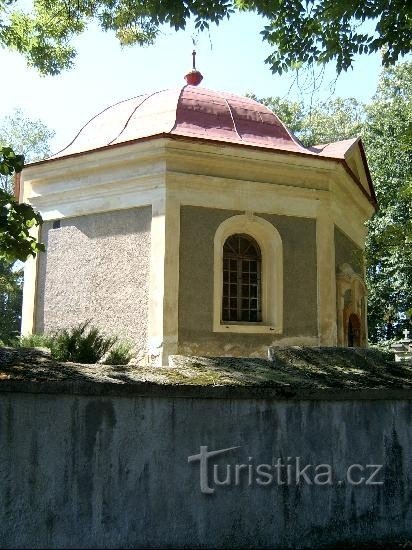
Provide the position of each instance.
(294, 374)
(151, 390)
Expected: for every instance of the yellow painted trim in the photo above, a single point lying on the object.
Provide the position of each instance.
(29, 291)
(156, 283)
(326, 281)
(171, 283)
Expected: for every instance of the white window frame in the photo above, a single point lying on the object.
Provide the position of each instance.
(270, 243)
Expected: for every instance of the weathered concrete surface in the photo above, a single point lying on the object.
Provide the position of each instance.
(84, 471)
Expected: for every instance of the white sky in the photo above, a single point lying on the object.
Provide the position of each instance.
(231, 58)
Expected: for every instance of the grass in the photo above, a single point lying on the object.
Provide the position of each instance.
(34, 341)
(121, 354)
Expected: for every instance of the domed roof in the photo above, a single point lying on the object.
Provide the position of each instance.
(191, 112)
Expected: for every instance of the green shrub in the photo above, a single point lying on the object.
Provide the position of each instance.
(34, 341)
(81, 344)
(120, 354)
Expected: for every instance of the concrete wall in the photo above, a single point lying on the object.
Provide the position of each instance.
(96, 267)
(346, 252)
(113, 472)
(197, 230)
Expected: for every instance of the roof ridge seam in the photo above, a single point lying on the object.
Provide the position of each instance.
(93, 118)
(233, 120)
(177, 106)
(133, 112)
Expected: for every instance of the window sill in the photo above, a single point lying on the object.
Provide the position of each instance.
(249, 328)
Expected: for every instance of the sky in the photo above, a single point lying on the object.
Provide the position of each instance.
(230, 57)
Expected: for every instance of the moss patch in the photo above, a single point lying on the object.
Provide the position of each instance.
(291, 368)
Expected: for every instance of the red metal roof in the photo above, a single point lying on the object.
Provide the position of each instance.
(189, 111)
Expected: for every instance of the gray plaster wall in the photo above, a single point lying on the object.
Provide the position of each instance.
(346, 252)
(96, 267)
(110, 472)
(196, 337)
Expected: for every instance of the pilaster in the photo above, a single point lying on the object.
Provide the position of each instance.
(326, 277)
(29, 291)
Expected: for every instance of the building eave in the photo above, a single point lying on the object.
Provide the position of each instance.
(166, 135)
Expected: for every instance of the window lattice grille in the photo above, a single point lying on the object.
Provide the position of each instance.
(241, 280)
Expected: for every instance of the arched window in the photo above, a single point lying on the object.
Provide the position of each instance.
(242, 294)
(247, 276)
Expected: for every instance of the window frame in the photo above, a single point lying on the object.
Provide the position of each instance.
(270, 243)
(240, 259)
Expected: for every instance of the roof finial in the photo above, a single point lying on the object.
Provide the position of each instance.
(194, 77)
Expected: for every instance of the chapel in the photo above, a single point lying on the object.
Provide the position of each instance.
(192, 221)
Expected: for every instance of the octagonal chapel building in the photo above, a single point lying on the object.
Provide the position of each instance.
(192, 221)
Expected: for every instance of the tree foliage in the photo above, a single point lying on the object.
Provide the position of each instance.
(334, 120)
(309, 31)
(11, 281)
(323, 122)
(10, 162)
(31, 138)
(388, 140)
(10, 285)
(319, 31)
(16, 219)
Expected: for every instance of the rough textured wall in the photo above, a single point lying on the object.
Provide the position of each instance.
(96, 267)
(346, 252)
(107, 472)
(197, 231)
